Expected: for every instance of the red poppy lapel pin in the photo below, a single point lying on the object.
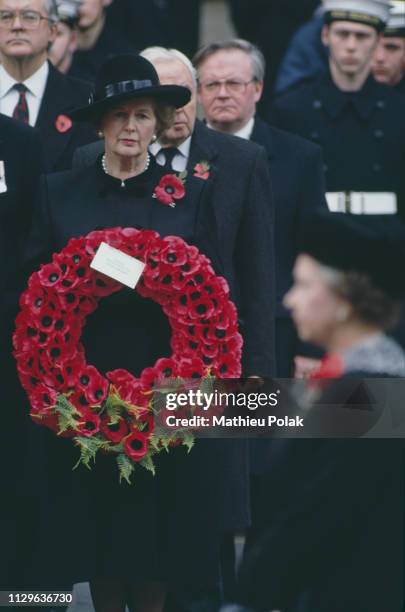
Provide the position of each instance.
(202, 170)
(170, 188)
(63, 123)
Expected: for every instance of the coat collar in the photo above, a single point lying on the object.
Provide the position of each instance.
(335, 101)
(202, 146)
(261, 135)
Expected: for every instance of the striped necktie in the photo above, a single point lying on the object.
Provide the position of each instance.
(21, 112)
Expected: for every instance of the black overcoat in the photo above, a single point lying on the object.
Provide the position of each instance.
(210, 487)
(21, 156)
(296, 170)
(330, 535)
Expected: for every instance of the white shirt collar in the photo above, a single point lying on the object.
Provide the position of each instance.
(36, 83)
(244, 132)
(183, 148)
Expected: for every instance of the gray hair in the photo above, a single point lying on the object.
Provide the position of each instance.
(52, 9)
(370, 303)
(162, 53)
(256, 56)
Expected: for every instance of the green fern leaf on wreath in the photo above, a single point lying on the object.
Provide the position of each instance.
(147, 463)
(125, 467)
(88, 449)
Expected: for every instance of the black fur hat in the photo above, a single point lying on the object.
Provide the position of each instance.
(370, 244)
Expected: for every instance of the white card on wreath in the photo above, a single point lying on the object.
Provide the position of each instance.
(117, 265)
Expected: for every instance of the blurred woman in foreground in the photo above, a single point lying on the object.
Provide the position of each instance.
(333, 534)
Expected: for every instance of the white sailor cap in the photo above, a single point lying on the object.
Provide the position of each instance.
(68, 10)
(396, 21)
(374, 13)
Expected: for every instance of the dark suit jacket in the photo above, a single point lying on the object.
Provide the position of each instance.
(21, 154)
(62, 95)
(236, 231)
(296, 169)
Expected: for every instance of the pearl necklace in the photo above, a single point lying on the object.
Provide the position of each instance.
(104, 165)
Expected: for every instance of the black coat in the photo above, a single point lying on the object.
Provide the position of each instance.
(330, 535)
(362, 134)
(20, 151)
(213, 483)
(296, 170)
(62, 95)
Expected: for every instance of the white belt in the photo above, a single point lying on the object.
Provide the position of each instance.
(362, 203)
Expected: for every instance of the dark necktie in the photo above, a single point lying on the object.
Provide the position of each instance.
(169, 153)
(21, 112)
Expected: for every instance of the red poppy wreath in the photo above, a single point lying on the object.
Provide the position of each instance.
(115, 413)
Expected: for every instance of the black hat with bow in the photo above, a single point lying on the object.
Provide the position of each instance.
(127, 77)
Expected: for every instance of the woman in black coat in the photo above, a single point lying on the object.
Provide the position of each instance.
(165, 529)
(331, 538)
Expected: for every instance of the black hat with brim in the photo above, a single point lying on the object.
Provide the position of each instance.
(373, 245)
(128, 77)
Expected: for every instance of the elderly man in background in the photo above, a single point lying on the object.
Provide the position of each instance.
(31, 89)
(389, 58)
(230, 77)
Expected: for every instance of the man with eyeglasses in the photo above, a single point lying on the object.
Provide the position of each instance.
(230, 84)
(31, 89)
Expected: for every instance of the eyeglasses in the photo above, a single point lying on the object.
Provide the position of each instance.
(232, 86)
(28, 19)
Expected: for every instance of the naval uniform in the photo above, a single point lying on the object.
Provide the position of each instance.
(362, 135)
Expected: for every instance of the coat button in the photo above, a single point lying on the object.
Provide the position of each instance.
(380, 104)
(379, 133)
(317, 104)
(314, 135)
(377, 167)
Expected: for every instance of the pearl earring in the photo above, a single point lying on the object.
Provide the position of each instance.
(100, 134)
(154, 138)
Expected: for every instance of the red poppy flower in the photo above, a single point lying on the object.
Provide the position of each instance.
(114, 432)
(332, 366)
(63, 123)
(51, 275)
(147, 423)
(70, 369)
(89, 423)
(42, 397)
(94, 385)
(174, 252)
(202, 170)
(166, 368)
(136, 445)
(192, 368)
(227, 366)
(170, 188)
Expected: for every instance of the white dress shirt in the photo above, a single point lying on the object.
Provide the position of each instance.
(244, 132)
(35, 84)
(179, 163)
